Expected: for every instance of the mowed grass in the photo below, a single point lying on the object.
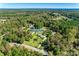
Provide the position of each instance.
(35, 41)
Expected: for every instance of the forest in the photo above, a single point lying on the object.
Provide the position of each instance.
(39, 32)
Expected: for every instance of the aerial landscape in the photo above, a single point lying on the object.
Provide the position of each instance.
(39, 32)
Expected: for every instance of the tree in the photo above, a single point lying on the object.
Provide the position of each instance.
(1, 54)
(71, 33)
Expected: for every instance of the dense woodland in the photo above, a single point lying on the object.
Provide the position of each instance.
(39, 32)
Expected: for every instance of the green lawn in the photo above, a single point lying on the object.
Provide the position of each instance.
(34, 41)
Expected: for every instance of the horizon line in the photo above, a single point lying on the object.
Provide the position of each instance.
(39, 5)
(39, 8)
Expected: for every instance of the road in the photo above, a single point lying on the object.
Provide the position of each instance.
(30, 48)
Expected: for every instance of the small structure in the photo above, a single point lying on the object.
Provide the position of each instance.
(32, 29)
(36, 30)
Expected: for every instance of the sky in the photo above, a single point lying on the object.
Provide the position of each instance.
(39, 5)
